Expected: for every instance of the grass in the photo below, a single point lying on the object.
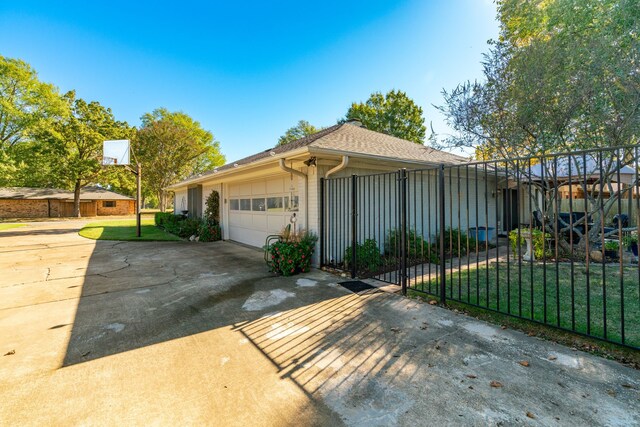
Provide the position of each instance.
(545, 295)
(125, 230)
(10, 226)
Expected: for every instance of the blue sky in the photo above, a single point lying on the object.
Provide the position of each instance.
(249, 70)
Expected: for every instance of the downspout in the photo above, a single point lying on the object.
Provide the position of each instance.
(342, 165)
(287, 169)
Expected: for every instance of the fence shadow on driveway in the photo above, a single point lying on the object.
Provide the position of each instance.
(343, 351)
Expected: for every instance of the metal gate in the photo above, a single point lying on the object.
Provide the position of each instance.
(550, 239)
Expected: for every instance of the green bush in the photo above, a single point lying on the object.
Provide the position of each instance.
(209, 231)
(452, 236)
(417, 247)
(212, 211)
(292, 255)
(177, 224)
(538, 238)
(161, 218)
(368, 258)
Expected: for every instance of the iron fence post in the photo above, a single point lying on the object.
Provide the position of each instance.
(322, 219)
(403, 230)
(441, 209)
(354, 229)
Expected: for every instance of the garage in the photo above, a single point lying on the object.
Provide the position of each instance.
(259, 208)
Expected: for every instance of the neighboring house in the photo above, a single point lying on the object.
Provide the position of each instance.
(262, 192)
(24, 202)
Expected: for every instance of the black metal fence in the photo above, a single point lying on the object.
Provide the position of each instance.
(552, 239)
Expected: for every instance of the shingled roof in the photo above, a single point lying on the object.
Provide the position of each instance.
(86, 193)
(351, 138)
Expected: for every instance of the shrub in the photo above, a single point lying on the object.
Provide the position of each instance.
(417, 247)
(212, 211)
(209, 231)
(452, 236)
(161, 218)
(368, 258)
(538, 239)
(177, 224)
(611, 245)
(292, 255)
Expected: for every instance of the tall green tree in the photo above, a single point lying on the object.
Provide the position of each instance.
(564, 75)
(302, 129)
(74, 143)
(394, 114)
(27, 106)
(172, 146)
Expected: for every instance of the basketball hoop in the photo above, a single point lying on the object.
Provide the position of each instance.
(115, 152)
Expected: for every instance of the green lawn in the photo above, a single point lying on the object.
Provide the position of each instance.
(500, 289)
(10, 226)
(125, 230)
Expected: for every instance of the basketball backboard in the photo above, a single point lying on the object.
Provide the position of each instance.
(115, 152)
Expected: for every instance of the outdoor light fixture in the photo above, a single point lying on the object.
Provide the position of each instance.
(311, 161)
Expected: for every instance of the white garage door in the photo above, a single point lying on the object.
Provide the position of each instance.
(260, 208)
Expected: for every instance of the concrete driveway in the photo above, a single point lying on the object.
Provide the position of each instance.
(174, 333)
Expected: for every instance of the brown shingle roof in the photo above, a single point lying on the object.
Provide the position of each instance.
(87, 193)
(351, 138)
(359, 140)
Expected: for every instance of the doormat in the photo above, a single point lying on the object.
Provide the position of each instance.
(356, 286)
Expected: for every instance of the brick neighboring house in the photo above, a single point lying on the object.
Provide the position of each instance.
(25, 202)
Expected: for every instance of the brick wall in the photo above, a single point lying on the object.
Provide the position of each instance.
(122, 207)
(10, 208)
(55, 208)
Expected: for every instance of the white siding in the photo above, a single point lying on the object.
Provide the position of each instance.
(468, 204)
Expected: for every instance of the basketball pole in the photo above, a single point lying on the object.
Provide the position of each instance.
(138, 199)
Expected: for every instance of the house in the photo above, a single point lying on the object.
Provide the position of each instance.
(263, 193)
(25, 202)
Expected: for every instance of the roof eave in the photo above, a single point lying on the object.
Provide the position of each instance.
(216, 175)
(318, 150)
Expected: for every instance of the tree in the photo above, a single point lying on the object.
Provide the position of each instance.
(302, 129)
(563, 76)
(25, 102)
(75, 142)
(172, 146)
(27, 106)
(394, 114)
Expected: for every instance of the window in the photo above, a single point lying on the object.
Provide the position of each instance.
(109, 204)
(257, 205)
(274, 204)
(245, 204)
(291, 206)
(234, 205)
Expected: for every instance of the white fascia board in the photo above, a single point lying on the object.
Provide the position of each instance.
(319, 151)
(241, 168)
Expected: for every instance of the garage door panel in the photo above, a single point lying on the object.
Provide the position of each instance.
(275, 186)
(253, 226)
(244, 189)
(259, 222)
(258, 188)
(240, 220)
(275, 223)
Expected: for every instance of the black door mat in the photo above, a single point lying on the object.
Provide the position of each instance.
(356, 286)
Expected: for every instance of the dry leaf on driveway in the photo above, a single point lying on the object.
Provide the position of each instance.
(495, 384)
